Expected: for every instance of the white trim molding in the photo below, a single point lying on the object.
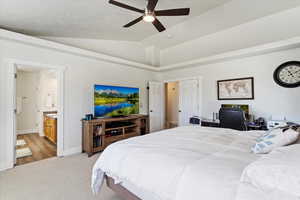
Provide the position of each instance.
(27, 131)
(242, 53)
(73, 151)
(231, 55)
(37, 42)
(4, 166)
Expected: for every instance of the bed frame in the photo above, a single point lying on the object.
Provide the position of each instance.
(120, 190)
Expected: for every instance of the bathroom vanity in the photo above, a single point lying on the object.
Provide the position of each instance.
(50, 126)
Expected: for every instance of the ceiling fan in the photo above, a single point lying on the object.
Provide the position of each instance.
(150, 14)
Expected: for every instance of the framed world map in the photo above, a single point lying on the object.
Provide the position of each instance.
(236, 89)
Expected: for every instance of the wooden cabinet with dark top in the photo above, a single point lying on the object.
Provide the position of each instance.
(50, 128)
(97, 134)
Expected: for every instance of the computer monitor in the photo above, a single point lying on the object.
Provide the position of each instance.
(244, 107)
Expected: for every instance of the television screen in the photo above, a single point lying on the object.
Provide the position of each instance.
(110, 101)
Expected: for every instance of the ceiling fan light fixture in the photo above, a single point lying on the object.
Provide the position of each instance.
(149, 14)
(149, 18)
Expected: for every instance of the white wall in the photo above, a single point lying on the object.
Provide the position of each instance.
(172, 102)
(47, 90)
(37, 90)
(81, 74)
(270, 99)
(27, 83)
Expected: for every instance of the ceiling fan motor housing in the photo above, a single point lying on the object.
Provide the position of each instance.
(149, 16)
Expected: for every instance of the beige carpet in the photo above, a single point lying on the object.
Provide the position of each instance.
(52, 179)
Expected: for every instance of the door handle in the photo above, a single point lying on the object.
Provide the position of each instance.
(179, 111)
(151, 110)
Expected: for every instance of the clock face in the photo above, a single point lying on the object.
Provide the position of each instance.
(288, 74)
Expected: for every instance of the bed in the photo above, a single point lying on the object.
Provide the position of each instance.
(177, 164)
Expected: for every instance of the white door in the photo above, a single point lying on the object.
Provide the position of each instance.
(155, 105)
(188, 101)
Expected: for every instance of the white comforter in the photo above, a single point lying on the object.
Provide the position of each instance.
(179, 164)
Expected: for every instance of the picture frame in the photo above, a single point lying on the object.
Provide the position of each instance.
(236, 89)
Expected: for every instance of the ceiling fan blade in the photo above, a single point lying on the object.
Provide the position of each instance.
(158, 25)
(116, 3)
(134, 22)
(151, 4)
(173, 12)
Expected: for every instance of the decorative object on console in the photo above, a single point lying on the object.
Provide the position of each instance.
(288, 74)
(236, 89)
(89, 117)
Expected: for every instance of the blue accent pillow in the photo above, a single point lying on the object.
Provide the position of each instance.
(273, 139)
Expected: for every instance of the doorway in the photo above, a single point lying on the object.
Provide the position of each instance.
(12, 105)
(182, 101)
(36, 114)
(172, 104)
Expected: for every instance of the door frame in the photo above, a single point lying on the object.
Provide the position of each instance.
(200, 82)
(11, 94)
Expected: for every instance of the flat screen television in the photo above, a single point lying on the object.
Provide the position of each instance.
(115, 101)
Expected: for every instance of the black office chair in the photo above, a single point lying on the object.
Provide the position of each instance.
(233, 118)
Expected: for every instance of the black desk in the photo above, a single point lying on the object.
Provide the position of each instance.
(216, 124)
(210, 123)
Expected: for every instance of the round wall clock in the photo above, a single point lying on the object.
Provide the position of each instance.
(288, 74)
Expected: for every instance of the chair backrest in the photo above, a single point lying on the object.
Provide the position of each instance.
(233, 118)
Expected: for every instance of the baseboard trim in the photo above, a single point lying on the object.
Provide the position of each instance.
(5, 166)
(28, 131)
(72, 151)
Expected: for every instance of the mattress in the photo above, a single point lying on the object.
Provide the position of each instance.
(178, 164)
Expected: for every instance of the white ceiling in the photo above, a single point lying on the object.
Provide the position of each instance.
(95, 19)
(221, 18)
(67, 20)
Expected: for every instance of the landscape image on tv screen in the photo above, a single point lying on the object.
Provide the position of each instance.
(110, 101)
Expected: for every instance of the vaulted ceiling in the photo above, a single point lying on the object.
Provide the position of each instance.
(94, 19)
(67, 20)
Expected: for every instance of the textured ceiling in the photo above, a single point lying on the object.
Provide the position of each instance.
(95, 19)
(221, 18)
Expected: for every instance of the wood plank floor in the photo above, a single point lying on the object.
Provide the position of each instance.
(41, 148)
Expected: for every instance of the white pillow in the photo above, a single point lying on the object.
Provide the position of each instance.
(279, 170)
(273, 139)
